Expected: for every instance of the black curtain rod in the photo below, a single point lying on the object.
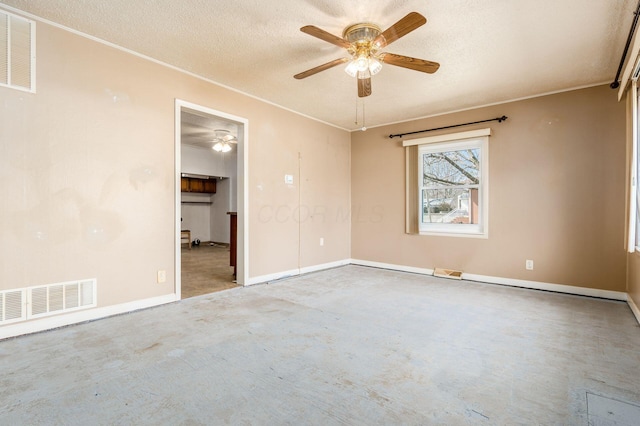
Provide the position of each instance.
(498, 119)
(616, 83)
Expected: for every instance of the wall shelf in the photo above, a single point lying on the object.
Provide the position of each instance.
(196, 202)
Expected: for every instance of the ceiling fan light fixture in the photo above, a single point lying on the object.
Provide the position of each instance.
(362, 63)
(222, 147)
(351, 68)
(222, 140)
(363, 67)
(374, 66)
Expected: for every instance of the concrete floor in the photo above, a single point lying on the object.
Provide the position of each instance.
(351, 345)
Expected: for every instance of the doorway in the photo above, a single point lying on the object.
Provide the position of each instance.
(210, 184)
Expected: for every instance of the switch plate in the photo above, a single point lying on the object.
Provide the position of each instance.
(529, 265)
(162, 276)
(288, 179)
(321, 241)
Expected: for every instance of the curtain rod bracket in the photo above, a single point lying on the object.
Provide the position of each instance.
(498, 119)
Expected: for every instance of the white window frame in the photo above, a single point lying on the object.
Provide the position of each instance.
(634, 202)
(452, 142)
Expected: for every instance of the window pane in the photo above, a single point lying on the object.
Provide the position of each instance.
(451, 206)
(461, 167)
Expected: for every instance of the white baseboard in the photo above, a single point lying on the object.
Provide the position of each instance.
(62, 320)
(393, 267)
(272, 277)
(537, 285)
(634, 308)
(558, 288)
(323, 266)
(294, 272)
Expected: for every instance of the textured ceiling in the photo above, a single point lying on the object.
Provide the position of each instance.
(490, 51)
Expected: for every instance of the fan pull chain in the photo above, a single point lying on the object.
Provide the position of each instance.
(363, 120)
(356, 122)
(363, 128)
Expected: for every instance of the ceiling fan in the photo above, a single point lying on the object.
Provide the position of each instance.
(363, 42)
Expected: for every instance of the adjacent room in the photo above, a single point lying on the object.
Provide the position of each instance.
(208, 202)
(339, 212)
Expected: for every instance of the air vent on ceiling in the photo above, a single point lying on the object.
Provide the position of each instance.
(17, 52)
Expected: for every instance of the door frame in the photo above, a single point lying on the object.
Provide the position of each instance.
(242, 190)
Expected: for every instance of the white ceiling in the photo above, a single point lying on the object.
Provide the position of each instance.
(490, 51)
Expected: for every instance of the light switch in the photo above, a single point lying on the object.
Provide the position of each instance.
(288, 179)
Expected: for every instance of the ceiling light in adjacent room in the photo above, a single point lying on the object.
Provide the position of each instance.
(222, 141)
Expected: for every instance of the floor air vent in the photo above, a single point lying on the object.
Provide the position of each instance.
(447, 273)
(39, 301)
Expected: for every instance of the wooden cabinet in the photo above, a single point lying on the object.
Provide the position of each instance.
(196, 185)
(233, 246)
(190, 184)
(210, 186)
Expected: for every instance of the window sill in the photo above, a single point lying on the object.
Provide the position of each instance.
(483, 235)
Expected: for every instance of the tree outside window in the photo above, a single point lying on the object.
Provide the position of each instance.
(451, 186)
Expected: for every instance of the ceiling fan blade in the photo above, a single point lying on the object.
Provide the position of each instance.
(408, 62)
(323, 35)
(364, 87)
(401, 28)
(319, 68)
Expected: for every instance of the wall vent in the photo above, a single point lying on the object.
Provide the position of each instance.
(63, 297)
(12, 306)
(39, 301)
(447, 273)
(17, 52)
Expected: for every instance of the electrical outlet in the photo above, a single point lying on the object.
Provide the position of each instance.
(529, 265)
(162, 276)
(321, 241)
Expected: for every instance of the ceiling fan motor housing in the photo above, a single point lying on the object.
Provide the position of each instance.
(361, 32)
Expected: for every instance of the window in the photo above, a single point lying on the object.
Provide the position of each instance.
(450, 196)
(17, 52)
(633, 210)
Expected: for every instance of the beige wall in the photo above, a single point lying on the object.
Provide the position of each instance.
(556, 174)
(87, 173)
